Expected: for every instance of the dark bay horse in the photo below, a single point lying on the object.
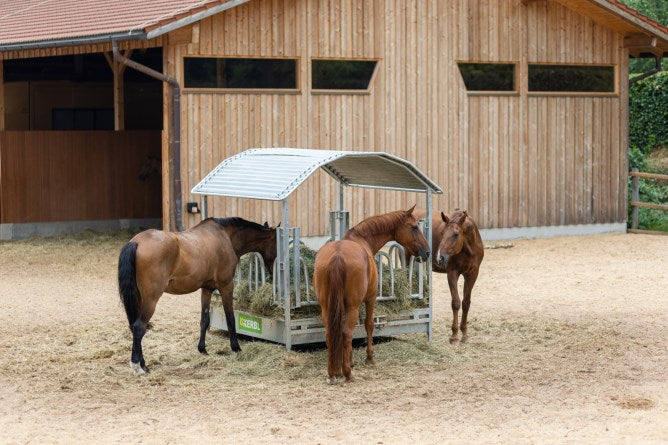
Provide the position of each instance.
(204, 257)
(458, 250)
(345, 275)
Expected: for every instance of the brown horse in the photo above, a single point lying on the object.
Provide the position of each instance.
(458, 251)
(204, 257)
(345, 275)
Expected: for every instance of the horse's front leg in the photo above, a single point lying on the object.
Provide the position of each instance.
(226, 295)
(453, 277)
(205, 320)
(469, 281)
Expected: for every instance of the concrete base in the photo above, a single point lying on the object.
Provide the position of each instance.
(508, 233)
(30, 230)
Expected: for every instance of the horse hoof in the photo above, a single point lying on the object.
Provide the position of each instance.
(236, 348)
(464, 339)
(202, 351)
(137, 369)
(350, 379)
(331, 380)
(454, 340)
(370, 361)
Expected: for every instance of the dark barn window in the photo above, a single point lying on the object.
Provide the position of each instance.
(488, 76)
(571, 78)
(237, 73)
(342, 74)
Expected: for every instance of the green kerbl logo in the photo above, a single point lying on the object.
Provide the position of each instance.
(250, 324)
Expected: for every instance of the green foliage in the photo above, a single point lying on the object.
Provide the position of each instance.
(648, 131)
(648, 113)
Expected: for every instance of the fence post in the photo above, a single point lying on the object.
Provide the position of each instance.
(635, 197)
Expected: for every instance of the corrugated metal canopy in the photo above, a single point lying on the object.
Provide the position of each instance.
(274, 173)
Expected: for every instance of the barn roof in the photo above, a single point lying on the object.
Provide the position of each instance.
(29, 24)
(26, 24)
(274, 173)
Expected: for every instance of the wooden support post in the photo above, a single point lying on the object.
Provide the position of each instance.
(635, 196)
(119, 90)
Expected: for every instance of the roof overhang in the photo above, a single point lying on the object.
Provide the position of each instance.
(274, 173)
(643, 37)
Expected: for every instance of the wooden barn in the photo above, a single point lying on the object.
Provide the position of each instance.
(518, 109)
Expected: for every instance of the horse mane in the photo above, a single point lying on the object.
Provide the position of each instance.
(378, 224)
(240, 222)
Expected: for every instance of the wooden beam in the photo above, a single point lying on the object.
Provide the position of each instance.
(640, 42)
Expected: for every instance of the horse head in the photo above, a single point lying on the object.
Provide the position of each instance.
(409, 235)
(268, 250)
(452, 236)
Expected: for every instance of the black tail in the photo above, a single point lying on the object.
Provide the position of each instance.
(127, 281)
(337, 312)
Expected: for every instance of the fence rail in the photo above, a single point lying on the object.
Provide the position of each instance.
(636, 203)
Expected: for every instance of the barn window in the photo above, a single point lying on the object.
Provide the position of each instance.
(342, 75)
(240, 73)
(489, 77)
(571, 78)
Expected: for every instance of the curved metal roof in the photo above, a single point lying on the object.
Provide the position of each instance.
(274, 173)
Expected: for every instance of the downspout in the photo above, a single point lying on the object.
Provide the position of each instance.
(176, 99)
(651, 72)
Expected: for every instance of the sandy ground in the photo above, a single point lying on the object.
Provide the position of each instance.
(568, 345)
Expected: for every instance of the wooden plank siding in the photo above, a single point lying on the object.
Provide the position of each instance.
(79, 49)
(50, 176)
(511, 160)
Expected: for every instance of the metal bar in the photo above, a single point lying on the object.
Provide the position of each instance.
(635, 196)
(286, 275)
(428, 236)
(205, 207)
(295, 266)
(398, 189)
(341, 231)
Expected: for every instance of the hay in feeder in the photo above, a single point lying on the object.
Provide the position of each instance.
(261, 300)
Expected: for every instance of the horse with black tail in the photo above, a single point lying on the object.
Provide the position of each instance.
(204, 257)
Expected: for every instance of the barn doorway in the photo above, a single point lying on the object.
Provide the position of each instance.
(64, 166)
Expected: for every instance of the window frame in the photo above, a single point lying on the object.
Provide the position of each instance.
(367, 91)
(614, 93)
(296, 90)
(514, 92)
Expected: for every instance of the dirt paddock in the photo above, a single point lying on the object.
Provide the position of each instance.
(568, 344)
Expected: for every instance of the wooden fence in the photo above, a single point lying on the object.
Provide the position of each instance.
(50, 176)
(635, 199)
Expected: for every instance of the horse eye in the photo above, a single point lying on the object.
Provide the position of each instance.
(414, 228)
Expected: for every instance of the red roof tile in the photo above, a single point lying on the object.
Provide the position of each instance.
(43, 20)
(642, 17)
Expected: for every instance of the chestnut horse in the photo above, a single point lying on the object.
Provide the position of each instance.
(345, 275)
(458, 251)
(204, 257)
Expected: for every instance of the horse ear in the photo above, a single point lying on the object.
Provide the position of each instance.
(463, 217)
(279, 225)
(266, 224)
(410, 211)
(444, 218)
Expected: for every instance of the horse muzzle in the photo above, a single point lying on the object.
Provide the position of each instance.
(422, 255)
(442, 260)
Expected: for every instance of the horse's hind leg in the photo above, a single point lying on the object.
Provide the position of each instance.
(469, 281)
(205, 320)
(139, 327)
(228, 307)
(368, 325)
(351, 320)
(453, 277)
